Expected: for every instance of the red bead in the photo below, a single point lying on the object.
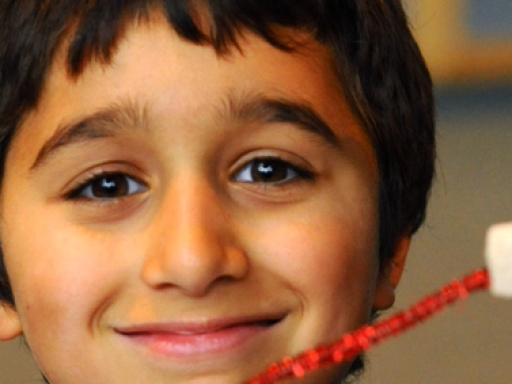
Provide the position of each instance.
(338, 356)
(349, 341)
(313, 356)
(273, 368)
(298, 370)
(369, 333)
(350, 345)
(362, 338)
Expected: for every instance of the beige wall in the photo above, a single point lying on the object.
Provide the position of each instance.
(470, 343)
(459, 46)
(16, 364)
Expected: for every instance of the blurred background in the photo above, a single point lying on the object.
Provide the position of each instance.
(468, 46)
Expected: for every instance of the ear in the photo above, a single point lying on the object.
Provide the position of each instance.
(390, 275)
(10, 325)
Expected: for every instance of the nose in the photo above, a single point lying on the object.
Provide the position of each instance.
(193, 241)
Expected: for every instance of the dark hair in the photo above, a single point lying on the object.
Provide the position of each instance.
(378, 63)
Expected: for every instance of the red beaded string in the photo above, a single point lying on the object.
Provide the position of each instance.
(352, 344)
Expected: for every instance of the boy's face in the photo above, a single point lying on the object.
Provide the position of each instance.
(180, 217)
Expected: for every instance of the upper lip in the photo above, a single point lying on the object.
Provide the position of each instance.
(197, 327)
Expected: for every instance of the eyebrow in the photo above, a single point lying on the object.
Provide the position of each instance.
(108, 122)
(127, 116)
(281, 110)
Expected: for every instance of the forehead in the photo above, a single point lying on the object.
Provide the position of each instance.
(153, 68)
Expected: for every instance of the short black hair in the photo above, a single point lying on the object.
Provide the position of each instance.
(373, 53)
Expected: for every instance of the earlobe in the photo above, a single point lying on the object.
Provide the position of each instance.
(390, 275)
(10, 325)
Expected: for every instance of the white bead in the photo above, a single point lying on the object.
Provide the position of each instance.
(498, 255)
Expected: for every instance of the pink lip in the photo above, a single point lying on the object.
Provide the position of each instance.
(194, 339)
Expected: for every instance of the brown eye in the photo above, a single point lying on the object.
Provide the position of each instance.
(267, 170)
(108, 186)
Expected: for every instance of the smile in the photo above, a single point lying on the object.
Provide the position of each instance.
(195, 339)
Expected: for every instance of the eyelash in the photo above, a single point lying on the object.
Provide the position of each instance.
(86, 187)
(268, 164)
(84, 191)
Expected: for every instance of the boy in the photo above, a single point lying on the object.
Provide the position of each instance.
(192, 190)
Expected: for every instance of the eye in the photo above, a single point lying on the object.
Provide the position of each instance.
(268, 170)
(108, 186)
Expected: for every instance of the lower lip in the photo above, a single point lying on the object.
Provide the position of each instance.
(200, 344)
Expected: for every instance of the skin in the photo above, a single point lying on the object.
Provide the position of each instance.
(197, 241)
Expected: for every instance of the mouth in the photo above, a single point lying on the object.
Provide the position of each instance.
(193, 339)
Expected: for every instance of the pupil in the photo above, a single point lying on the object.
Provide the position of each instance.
(269, 171)
(110, 186)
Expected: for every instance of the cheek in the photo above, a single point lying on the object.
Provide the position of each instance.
(328, 256)
(329, 262)
(58, 273)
